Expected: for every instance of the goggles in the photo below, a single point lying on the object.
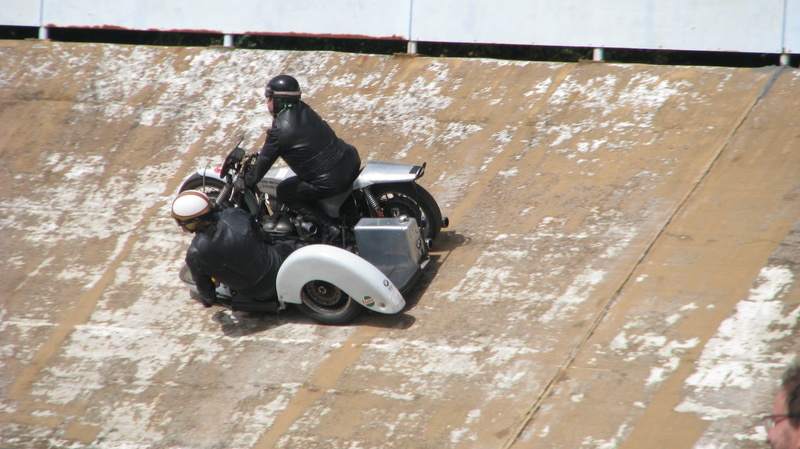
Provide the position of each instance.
(269, 93)
(190, 224)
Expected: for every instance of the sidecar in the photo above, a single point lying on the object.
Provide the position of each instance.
(330, 284)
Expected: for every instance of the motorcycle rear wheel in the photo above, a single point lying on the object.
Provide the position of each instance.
(413, 201)
(328, 304)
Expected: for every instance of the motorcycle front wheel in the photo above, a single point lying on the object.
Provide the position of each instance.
(210, 186)
(327, 303)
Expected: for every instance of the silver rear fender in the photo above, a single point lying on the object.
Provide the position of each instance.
(388, 172)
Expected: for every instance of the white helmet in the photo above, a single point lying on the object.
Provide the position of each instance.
(190, 208)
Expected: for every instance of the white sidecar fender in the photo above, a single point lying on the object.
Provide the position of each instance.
(352, 274)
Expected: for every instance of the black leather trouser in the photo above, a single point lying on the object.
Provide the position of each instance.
(300, 195)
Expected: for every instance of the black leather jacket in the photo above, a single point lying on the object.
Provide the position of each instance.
(234, 251)
(308, 145)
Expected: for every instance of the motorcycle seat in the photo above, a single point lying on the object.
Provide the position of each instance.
(331, 204)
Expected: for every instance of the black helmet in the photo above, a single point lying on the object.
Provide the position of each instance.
(283, 86)
(284, 91)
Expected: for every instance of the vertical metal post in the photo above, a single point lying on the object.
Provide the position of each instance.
(412, 45)
(784, 59)
(597, 54)
(43, 33)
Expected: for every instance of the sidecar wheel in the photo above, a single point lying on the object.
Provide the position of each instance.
(327, 304)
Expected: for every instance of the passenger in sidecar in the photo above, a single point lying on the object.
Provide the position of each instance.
(230, 248)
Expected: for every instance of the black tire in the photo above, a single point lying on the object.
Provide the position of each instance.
(210, 186)
(412, 200)
(328, 304)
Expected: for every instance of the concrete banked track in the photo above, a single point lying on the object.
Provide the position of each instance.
(619, 272)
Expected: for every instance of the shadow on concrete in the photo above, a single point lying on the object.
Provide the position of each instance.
(242, 324)
(445, 244)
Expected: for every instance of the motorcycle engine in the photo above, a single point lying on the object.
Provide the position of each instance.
(278, 224)
(283, 224)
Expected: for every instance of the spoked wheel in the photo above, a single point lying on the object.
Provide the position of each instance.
(327, 303)
(413, 201)
(210, 186)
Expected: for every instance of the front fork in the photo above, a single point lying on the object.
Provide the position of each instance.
(224, 195)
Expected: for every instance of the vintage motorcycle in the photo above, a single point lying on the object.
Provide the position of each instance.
(388, 224)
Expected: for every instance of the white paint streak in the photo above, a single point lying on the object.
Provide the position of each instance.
(611, 443)
(644, 94)
(580, 289)
(740, 360)
(707, 412)
(740, 352)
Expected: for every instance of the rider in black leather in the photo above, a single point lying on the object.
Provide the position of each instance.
(325, 165)
(229, 247)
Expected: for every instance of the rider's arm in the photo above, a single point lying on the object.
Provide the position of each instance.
(268, 155)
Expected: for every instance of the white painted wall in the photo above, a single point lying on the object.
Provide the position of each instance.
(369, 18)
(792, 27)
(713, 25)
(20, 12)
(758, 26)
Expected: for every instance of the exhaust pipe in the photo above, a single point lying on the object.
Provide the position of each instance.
(308, 227)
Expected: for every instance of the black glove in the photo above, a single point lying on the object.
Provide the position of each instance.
(240, 185)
